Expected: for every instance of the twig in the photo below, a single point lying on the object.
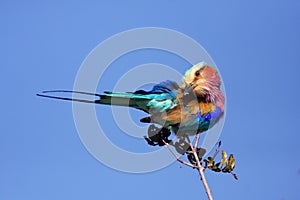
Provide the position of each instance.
(217, 150)
(197, 141)
(207, 189)
(201, 168)
(178, 158)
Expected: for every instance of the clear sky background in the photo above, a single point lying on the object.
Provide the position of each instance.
(255, 45)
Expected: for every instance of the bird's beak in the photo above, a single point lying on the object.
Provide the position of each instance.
(189, 86)
(193, 85)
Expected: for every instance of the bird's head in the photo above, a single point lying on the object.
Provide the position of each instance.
(204, 80)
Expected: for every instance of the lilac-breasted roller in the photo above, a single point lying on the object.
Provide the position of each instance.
(193, 106)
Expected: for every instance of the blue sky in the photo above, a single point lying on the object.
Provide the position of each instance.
(255, 45)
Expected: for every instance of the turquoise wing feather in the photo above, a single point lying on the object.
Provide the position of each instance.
(162, 97)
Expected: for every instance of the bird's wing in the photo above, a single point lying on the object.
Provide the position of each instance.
(165, 96)
(161, 98)
(164, 99)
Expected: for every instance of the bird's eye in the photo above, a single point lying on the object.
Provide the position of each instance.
(197, 73)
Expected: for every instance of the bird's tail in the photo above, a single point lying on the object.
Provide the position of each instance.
(136, 100)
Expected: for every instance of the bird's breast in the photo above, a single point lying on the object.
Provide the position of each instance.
(206, 108)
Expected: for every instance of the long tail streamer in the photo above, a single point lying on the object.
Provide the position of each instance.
(48, 94)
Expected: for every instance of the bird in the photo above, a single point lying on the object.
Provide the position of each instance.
(190, 107)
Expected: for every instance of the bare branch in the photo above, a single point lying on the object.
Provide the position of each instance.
(204, 181)
(217, 150)
(201, 169)
(178, 158)
(198, 165)
(197, 141)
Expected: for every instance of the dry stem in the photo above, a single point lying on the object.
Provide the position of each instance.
(178, 158)
(199, 167)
